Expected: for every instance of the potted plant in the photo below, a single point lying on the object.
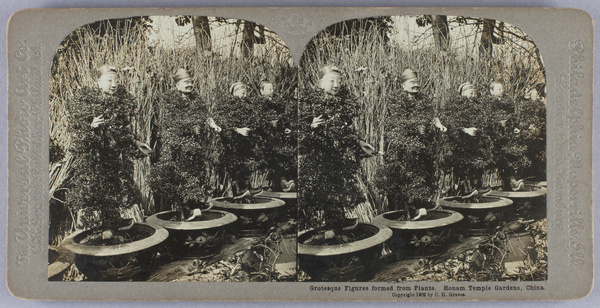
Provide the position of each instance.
(466, 150)
(200, 236)
(515, 142)
(341, 254)
(529, 198)
(407, 176)
(281, 145)
(331, 248)
(180, 179)
(126, 256)
(527, 192)
(101, 188)
(531, 114)
(256, 214)
(482, 214)
(244, 121)
(426, 235)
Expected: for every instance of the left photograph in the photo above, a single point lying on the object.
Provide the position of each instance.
(173, 152)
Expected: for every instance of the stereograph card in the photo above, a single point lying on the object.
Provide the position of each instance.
(389, 154)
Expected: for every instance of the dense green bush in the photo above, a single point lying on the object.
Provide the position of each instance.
(281, 138)
(532, 122)
(102, 174)
(465, 155)
(185, 153)
(241, 155)
(328, 159)
(508, 150)
(56, 151)
(408, 173)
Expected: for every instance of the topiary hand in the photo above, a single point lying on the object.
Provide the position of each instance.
(244, 131)
(317, 121)
(97, 121)
(213, 125)
(439, 125)
(471, 131)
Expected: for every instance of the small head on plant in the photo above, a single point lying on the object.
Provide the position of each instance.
(467, 90)
(331, 80)
(531, 94)
(410, 82)
(239, 89)
(496, 89)
(108, 79)
(266, 88)
(183, 81)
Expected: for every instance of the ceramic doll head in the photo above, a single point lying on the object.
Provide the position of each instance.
(183, 81)
(410, 81)
(467, 90)
(239, 89)
(331, 80)
(496, 89)
(266, 88)
(108, 79)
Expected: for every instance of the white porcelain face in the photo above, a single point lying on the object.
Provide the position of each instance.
(411, 86)
(468, 93)
(331, 83)
(267, 89)
(497, 90)
(534, 95)
(185, 86)
(108, 83)
(240, 91)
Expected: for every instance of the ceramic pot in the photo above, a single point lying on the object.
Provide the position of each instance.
(479, 217)
(200, 238)
(255, 217)
(59, 261)
(530, 203)
(351, 261)
(122, 262)
(423, 238)
(290, 199)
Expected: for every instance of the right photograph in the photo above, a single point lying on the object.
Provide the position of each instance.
(422, 152)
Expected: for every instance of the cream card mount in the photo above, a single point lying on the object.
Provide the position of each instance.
(50, 62)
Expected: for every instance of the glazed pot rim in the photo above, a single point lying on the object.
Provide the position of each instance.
(160, 235)
(501, 202)
(271, 204)
(452, 218)
(65, 259)
(541, 191)
(542, 184)
(382, 235)
(226, 219)
(279, 194)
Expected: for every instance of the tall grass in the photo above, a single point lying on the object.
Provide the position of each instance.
(146, 70)
(372, 65)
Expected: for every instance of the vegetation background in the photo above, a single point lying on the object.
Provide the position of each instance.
(216, 51)
(372, 53)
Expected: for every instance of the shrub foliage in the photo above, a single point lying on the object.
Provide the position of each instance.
(328, 159)
(102, 177)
